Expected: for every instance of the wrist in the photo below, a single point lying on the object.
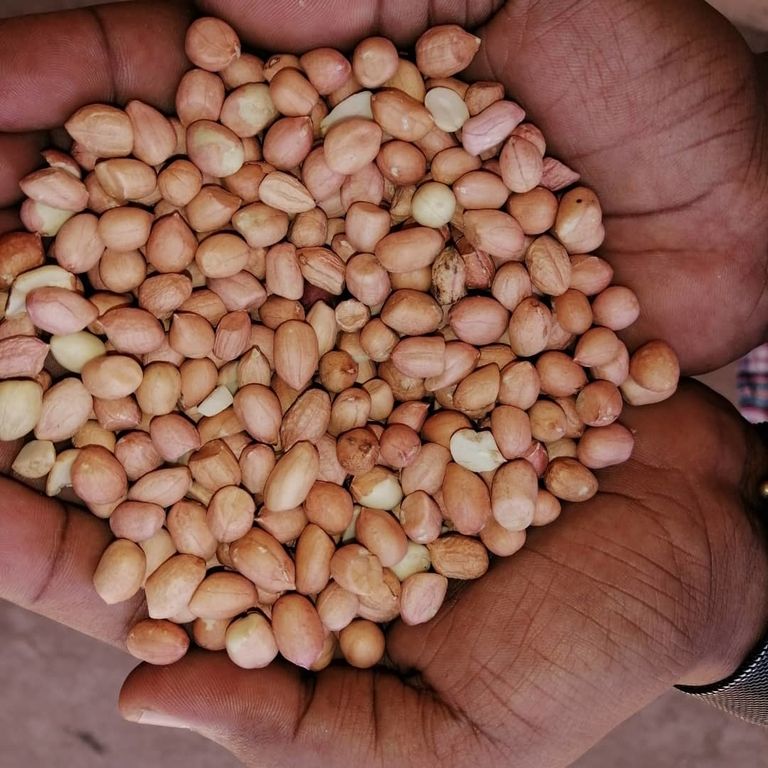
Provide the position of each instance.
(737, 617)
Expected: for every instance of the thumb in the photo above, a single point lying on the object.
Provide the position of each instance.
(205, 692)
(280, 716)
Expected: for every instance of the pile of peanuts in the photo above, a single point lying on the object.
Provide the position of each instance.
(314, 346)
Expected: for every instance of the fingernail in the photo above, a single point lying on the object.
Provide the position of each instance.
(148, 717)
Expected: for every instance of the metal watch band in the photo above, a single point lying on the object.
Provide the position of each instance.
(745, 693)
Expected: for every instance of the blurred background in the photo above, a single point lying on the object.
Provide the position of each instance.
(60, 689)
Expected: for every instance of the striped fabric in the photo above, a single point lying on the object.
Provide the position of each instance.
(752, 383)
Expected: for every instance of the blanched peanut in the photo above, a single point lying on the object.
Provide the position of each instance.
(329, 506)
(605, 446)
(65, 409)
(475, 451)
(349, 148)
(420, 517)
(120, 572)
(570, 480)
(513, 495)
(210, 633)
(97, 476)
(357, 450)
(479, 390)
(230, 513)
(467, 500)
(409, 249)
(137, 521)
(379, 489)
(421, 597)
(655, 366)
(314, 551)
(511, 429)
(478, 320)
(458, 557)
(529, 327)
(163, 486)
(173, 436)
(299, 633)
(427, 470)
(616, 307)
(214, 465)
(250, 642)
(336, 607)
(35, 459)
(381, 534)
(501, 541)
(188, 526)
(362, 643)
(157, 642)
(292, 478)
(171, 586)
(260, 558)
(285, 526)
(222, 595)
(599, 404)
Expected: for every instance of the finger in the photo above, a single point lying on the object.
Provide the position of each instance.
(198, 691)
(548, 641)
(9, 220)
(291, 26)
(108, 53)
(610, 606)
(8, 452)
(277, 716)
(656, 105)
(102, 54)
(21, 155)
(606, 80)
(48, 554)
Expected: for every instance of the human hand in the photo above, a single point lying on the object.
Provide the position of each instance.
(598, 615)
(661, 108)
(658, 580)
(86, 537)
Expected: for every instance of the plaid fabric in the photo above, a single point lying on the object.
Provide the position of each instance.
(752, 383)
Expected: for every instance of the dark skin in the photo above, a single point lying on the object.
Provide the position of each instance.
(661, 108)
